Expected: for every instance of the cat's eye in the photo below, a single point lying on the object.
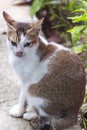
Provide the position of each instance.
(13, 43)
(27, 44)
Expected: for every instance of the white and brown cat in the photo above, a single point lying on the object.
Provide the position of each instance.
(53, 77)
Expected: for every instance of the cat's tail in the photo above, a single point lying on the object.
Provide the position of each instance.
(54, 123)
(62, 123)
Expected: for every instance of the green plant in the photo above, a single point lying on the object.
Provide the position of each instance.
(60, 12)
(80, 30)
(83, 113)
(67, 14)
(58, 9)
(36, 6)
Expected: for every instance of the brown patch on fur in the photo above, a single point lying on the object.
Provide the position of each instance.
(15, 35)
(32, 37)
(12, 36)
(45, 51)
(63, 87)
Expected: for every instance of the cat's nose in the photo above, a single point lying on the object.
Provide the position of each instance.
(19, 53)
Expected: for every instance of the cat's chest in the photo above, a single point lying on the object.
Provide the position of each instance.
(30, 70)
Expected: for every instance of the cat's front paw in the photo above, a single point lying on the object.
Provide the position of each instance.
(17, 111)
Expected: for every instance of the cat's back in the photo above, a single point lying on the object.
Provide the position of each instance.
(66, 71)
(64, 84)
(63, 61)
(66, 62)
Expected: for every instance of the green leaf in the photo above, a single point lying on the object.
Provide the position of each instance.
(59, 25)
(79, 10)
(71, 5)
(36, 6)
(80, 48)
(84, 123)
(83, 2)
(78, 18)
(76, 33)
(81, 17)
(52, 17)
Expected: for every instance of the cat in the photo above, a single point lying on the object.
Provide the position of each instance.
(52, 75)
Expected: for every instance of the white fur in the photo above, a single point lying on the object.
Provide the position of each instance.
(58, 46)
(44, 40)
(30, 115)
(17, 110)
(30, 71)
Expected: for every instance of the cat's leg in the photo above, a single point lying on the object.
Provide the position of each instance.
(19, 109)
(34, 109)
(33, 113)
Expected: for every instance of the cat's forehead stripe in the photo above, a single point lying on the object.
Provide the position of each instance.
(21, 30)
(22, 27)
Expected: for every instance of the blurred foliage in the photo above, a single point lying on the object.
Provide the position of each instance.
(79, 30)
(58, 9)
(69, 15)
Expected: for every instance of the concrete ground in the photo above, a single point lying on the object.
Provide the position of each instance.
(9, 82)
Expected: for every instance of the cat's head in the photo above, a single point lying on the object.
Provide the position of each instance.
(21, 36)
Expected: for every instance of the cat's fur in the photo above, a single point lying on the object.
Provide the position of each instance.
(53, 77)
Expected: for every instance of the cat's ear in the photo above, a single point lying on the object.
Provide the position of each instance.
(36, 27)
(10, 21)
